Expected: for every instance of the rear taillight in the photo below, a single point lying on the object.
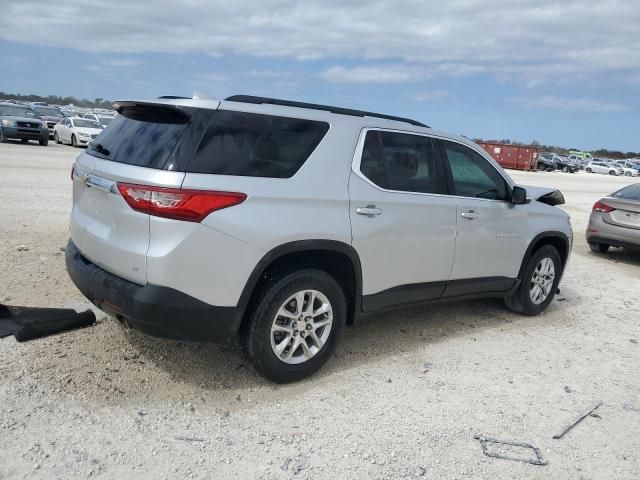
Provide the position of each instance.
(601, 207)
(175, 203)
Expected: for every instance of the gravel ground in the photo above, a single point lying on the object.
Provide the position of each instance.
(403, 397)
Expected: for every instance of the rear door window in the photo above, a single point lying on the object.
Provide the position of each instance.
(255, 145)
(400, 161)
(144, 136)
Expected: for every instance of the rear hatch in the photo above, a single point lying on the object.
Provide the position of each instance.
(138, 147)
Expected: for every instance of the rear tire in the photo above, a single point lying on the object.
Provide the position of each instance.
(565, 169)
(589, 170)
(539, 282)
(56, 138)
(599, 247)
(74, 142)
(265, 329)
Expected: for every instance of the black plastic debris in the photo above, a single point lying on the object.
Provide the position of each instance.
(488, 444)
(27, 323)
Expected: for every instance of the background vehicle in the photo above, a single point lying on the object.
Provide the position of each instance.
(566, 164)
(281, 222)
(49, 115)
(615, 220)
(76, 131)
(629, 169)
(103, 120)
(600, 166)
(18, 121)
(583, 155)
(546, 162)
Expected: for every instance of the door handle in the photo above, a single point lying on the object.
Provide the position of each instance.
(469, 215)
(369, 211)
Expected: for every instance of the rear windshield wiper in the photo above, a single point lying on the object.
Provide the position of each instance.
(100, 149)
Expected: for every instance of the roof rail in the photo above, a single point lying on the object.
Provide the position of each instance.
(173, 97)
(314, 106)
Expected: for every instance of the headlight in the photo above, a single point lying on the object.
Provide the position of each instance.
(82, 134)
(8, 123)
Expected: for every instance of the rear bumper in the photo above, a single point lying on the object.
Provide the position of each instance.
(155, 310)
(599, 231)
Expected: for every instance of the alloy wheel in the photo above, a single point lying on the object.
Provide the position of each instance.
(542, 280)
(301, 326)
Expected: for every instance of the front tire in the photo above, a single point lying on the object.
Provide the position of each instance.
(44, 141)
(627, 174)
(565, 169)
(612, 172)
(56, 138)
(539, 282)
(294, 326)
(3, 137)
(589, 170)
(599, 247)
(74, 142)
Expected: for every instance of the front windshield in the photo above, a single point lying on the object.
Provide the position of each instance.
(48, 112)
(84, 123)
(16, 111)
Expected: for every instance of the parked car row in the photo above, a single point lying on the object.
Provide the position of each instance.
(41, 122)
(548, 161)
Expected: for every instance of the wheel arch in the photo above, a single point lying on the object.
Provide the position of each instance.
(558, 240)
(337, 258)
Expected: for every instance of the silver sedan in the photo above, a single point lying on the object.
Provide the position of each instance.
(615, 220)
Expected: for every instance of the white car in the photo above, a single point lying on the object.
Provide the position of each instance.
(76, 131)
(600, 166)
(103, 120)
(629, 169)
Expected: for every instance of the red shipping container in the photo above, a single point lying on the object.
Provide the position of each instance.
(517, 157)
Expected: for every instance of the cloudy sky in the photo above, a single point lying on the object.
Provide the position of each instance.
(564, 72)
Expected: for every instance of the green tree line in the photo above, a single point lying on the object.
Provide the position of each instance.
(57, 100)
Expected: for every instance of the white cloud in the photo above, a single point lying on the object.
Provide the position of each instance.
(432, 96)
(213, 77)
(565, 104)
(524, 41)
(376, 74)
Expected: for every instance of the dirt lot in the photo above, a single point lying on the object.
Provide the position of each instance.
(403, 397)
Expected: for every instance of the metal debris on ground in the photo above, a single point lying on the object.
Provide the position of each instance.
(578, 420)
(297, 465)
(190, 439)
(486, 442)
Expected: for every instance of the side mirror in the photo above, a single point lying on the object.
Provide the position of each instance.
(518, 196)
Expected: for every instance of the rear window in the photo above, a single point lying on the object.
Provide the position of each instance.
(632, 192)
(142, 136)
(253, 145)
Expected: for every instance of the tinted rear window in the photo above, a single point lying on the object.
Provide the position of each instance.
(253, 145)
(142, 136)
(632, 192)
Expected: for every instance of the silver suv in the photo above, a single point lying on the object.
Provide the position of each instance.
(281, 222)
